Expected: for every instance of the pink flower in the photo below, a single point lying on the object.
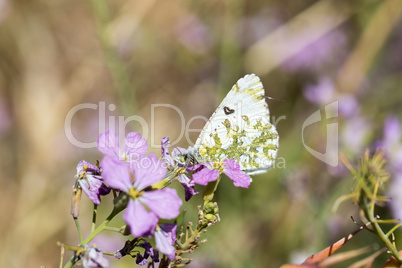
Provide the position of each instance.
(165, 236)
(210, 171)
(144, 207)
(134, 145)
(91, 181)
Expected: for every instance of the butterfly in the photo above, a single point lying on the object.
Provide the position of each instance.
(240, 129)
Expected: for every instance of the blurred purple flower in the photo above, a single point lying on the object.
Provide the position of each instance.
(91, 182)
(178, 168)
(165, 237)
(348, 105)
(144, 207)
(210, 171)
(329, 48)
(193, 34)
(108, 242)
(320, 93)
(392, 143)
(253, 28)
(324, 92)
(395, 193)
(392, 132)
(134, 145)
(93, 257)
(354, 133)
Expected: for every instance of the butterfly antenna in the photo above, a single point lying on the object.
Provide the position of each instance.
(171, 144)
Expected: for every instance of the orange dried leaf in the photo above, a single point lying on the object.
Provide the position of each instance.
(323, 254)
(392, 262)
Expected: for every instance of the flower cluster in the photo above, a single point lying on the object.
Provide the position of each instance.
(202, 173)
(139, 183)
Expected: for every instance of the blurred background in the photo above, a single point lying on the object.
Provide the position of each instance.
(120, 57)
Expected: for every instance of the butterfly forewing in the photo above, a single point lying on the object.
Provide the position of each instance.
(240, 129)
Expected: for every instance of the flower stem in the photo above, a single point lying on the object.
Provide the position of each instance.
(77, 224)
(209, 190)
(112, 229)
(91, 236)
(101, 227)
(367, 212)
(94, 214)
(61, 256)
(189, 240)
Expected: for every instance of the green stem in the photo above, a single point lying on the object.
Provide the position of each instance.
(77, 224)
(101, 227)
(94, 214)
(394, 252)
(61, 256)
(91, 236)
(189, 240)
(71, 262)
(393, 229)
(113, 229)
(210, 189)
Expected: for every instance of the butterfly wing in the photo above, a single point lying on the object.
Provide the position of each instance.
(240, 129)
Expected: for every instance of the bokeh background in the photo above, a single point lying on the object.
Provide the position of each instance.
(130, 54)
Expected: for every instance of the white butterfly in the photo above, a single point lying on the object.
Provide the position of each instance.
(240, 129)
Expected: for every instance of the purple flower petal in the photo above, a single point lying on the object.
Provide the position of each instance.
(205, 175)
(108, 144)
(189, 191)
(233, 171)
(140, 260)
(104, 190)
(165, 238)
(147, 171)
(165, 203)
(149, 251)
(94, 258)
(89, 167)
(90, 185)
(188, 185)
(116, 174)
(165, 146)
(135, 145)
(170, 228)
(139, 219)
(165, 152)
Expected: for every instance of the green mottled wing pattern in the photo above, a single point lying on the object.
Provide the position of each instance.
(240, 129)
